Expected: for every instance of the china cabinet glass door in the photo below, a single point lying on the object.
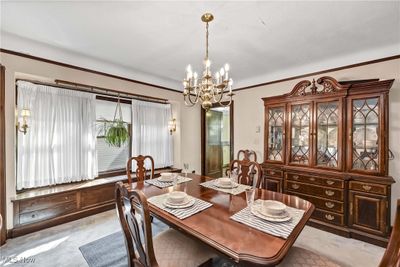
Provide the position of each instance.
(275, 134)
(300, 128)
(327, 132)
(365, 135)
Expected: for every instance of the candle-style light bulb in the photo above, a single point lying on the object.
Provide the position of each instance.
(207, 63)
(217, 77)
(222, 72)
(189, 68)
(226, 67)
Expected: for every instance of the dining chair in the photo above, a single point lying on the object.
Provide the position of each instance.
(391, 258)
(248, 172)
(140, 168)
(167, 249)
(246, 154)
(300, 257)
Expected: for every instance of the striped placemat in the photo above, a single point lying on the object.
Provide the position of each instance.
(198, 206)
(234, 191)
(160, 184)
(280, 229)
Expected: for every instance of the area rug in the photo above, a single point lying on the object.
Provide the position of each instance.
(110, 251)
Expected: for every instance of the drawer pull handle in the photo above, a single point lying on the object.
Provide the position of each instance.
(295, 177)
(329, 205)
(295, 186)
(33, 216)
(329, 182)
(272, 172)
(329, 193)
(329, 217)
(312, 179)
(366, 187)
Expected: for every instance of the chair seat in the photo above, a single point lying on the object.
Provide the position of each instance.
(299, 257)
(173, 249)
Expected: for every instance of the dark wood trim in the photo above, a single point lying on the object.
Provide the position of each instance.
(98, 90)
(203, 133)
(15, 53)
(107, 90)
(321, 72)
(3, 199)
(113, 99)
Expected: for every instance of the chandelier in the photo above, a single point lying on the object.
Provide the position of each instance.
(208, 89)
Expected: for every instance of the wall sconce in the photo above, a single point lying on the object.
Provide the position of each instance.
(25, 113)
(172, 126)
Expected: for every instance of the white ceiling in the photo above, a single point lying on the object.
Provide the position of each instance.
(154, 41)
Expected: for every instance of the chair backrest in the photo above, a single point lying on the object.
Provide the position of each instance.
(247, 171)
(247, 154)
(140, 168)
(135, 228)
(391, 258)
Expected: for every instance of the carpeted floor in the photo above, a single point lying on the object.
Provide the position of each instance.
(110, 250)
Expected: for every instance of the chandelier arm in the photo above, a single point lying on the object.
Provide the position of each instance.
(190, 103)
(196, 99)
(228, 104)
(220, 95)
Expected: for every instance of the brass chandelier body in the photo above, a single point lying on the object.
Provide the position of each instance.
(208, 89)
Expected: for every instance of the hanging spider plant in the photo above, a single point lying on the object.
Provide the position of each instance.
(116, 131)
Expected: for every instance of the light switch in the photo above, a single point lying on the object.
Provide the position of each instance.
(258, 129)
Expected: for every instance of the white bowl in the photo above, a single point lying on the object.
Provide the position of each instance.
(177, 197)
(273, 207)
(166, 176)
(224, 181)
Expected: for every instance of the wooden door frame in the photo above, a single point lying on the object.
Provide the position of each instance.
(203, 134)
(3, 207)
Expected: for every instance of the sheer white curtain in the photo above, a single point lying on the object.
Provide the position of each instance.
(60, 145)
(150, 135)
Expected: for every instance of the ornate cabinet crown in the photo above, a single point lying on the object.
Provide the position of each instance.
(327, 142)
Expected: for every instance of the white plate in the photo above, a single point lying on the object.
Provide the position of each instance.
(187, 204)
(256, 211)
(161, 179)
(234, 185)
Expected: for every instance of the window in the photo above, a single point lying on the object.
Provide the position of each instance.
(111, 158)
(65, 142)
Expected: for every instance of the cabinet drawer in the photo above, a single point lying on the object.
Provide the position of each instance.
(329, 217)
(273, 173)
(273, 184)
(368, 187)
(44, 214)
(45, 202)
(329, 182)
(320, 203)
(314, 190)
(95, 196)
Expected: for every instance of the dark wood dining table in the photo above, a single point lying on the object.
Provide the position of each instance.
(241, 243)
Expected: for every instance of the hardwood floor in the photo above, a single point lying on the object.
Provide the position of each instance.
(59, 245)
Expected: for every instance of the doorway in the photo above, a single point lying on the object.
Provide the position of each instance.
(217, 140)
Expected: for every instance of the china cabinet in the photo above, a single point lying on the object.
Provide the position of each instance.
(327, 142)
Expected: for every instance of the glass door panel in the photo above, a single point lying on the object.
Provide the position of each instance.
(327, 134)
(365, 134)
(300, 134)
(276, 124)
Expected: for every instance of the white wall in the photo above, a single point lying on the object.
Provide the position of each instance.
(188, 125)
(249, 111)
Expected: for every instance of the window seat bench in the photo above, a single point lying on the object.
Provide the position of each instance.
(40, 208)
